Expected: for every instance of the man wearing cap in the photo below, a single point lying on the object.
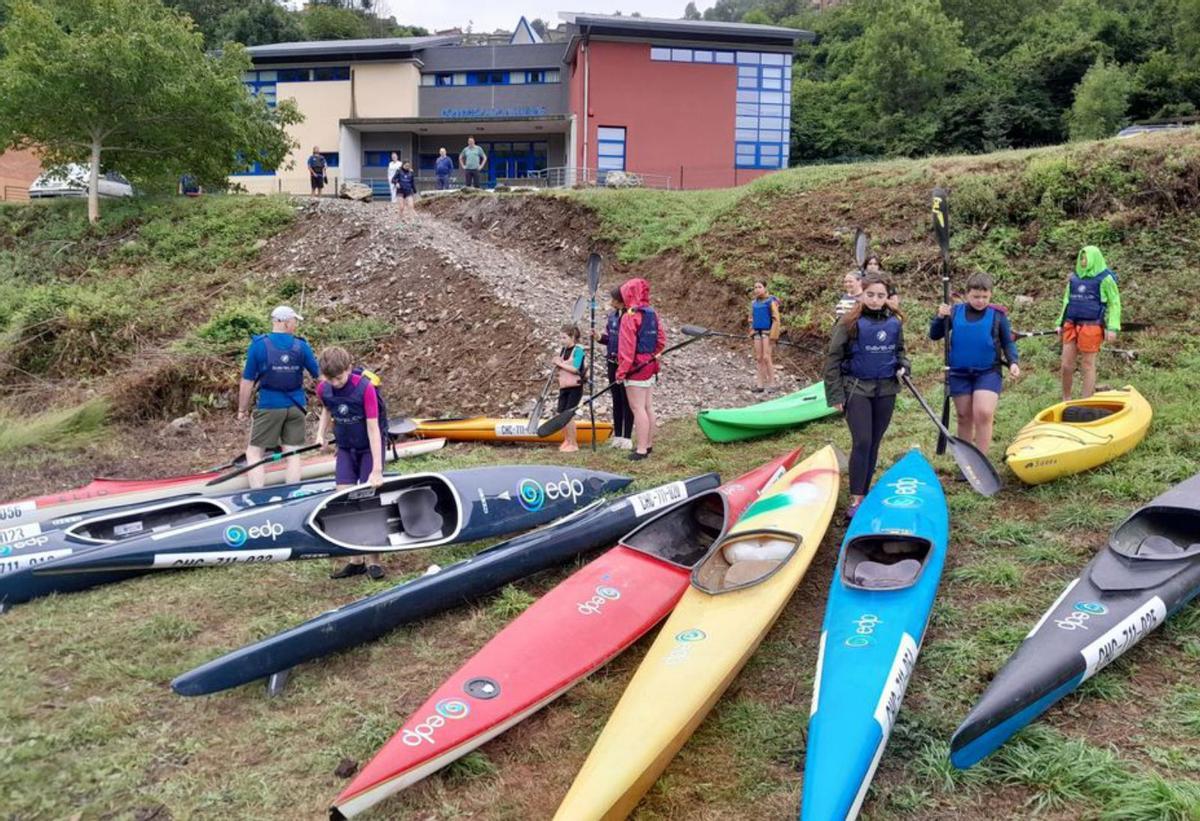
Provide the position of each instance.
(276, 363)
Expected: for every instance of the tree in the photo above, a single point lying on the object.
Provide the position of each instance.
(757, 17)
(126, 84)
(690, 12)
(259, 23)
(330, 22)
(540, 28)
(1101, 100)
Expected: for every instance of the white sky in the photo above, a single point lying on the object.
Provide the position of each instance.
(488, 15)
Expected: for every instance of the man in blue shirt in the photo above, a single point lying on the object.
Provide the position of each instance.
(443, 167)
(276, 363)
(316, 171)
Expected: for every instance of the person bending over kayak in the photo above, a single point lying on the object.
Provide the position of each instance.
(349, 400)
(570, 382)
(981, 344)
(1091, 315)
(276, 363)
(862, 369)
(643, 335)
(764, 331)
(622, 437)
(852, 288)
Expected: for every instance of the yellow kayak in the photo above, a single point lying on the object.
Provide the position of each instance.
(491, 429)
(736, 594)
(1075, 436)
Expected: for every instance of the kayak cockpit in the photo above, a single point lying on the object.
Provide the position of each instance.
(148, 519)
(401, 513)
(1082, 414)
(683, 535)
(744, 560)
(885, 561)
(1159, 533)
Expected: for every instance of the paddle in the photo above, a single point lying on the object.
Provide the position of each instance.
(593, 279)
(940, 202)
(535, 415)
(274, 457)
(697, 331)
(862, 243)
(974, 465)
(557, 423)
(1126, 327)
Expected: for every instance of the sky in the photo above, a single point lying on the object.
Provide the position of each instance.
(488, 15)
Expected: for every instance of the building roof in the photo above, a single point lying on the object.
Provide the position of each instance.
(373, 49)
(524, 33)
(662, 28)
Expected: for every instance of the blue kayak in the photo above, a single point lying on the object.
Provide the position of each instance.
(883, 589)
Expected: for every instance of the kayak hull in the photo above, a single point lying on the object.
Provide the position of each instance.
(705, 642)
(1149, 569)
(871, 635)
(1049, 447)
(507, 431)
(765, 418)
(563, 637)
(374, 616)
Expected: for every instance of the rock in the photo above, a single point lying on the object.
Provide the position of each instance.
(422, 327)
(260, 244)
(182, 424)
(356, 191)
(347, 766)
(1023, 301)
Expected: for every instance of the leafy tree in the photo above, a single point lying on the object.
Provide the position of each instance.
(258, 23)
(332, 22)
(127, 84)
(1101, 101)
(757, 17)
(540, 28)
(690, 12)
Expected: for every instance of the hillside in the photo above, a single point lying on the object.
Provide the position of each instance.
(157, 299)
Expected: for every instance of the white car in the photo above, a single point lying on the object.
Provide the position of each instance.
(72, 181)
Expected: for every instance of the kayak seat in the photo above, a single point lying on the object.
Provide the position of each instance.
(418, 512)
(356, 525)
(682, 536)
(1157, 546)
(884, 561)
(748, 571)
(880, 576)
(1085, 413)
(744, 560)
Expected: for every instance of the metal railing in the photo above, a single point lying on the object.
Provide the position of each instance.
(567, 177)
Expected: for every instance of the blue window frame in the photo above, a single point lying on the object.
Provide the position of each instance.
(327, 73)
(487, 78)
(444, 80)
(294, 75)
(379, 159)
(610, 148)
(331, 159)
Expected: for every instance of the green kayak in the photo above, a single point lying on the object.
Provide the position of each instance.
(734, 424)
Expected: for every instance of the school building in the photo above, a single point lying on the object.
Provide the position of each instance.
(679, 103)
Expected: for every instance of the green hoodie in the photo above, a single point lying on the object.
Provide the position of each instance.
(1109, 293)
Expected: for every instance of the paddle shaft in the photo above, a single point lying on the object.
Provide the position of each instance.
(975, 466)
(274, 457)
(941, 229)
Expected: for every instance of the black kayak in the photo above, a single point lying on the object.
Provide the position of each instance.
(1149, 569)
(405, 513)
(368, 619)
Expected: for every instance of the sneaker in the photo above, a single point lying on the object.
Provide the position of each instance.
(626, 443)
(375, 571)
(615, 442)
(352, 569)
(637, 457)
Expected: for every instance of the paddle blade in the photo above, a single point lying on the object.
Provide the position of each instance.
(980, 472)
(577, 312)
(593, 273)
(401, 426)
(556, 423)
(862, 244)
(940, 203)
(694, 330)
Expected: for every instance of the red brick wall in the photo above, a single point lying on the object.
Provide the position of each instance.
(18, 169)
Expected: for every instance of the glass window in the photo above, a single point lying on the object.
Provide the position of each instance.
(772, 72)
(771, 136)
(748, 71)
(611, 163)
(747, 82)
(607, 149)
(428, 79)
(772, 59)
(748, 58)
(610, 133)
(701, 56)
(771, 110)
(746, 122)
(331, 158)
(769, 150)
(324, 73)
(551, 75)
(747, 109)
(521, 77)
(723, 56)
(772, 97)
(445, 79)
(769, 83)
(776, 123)
(293, 75)
(745, 96)
(681, 55)
(267, 76)
(745, 134)
(787, 59)
(520, 148)
(660, 53)
(459, 78)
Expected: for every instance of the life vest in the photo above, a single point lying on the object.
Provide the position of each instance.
(974, 345)
(612, 332)
(349, 414)
(1084, 306)
(644, 363)
(760, 310)
(285, 366)
(873, 350)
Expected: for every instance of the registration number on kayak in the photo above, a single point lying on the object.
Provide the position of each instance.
(12, 564)
(1128, 632)
(16, 534)
(658, 498)
(221, 557)
(511, 430)
(16, 510)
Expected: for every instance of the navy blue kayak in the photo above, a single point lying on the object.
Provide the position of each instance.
(879, 602)
(1149, 569)
(405, 513)
(594, 528)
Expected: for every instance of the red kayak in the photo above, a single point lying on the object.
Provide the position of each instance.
(573, 630)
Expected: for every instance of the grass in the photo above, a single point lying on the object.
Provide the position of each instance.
(57, 429)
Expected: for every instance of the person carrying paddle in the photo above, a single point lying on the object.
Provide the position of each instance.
(350, 401)
(862, 369)
(570, 382)
(622, 437)
(852, 291)
(981, 344)
(1090, 316)
(764, 331)
(276, 363)
(643, 335)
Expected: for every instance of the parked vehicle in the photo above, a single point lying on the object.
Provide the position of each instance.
(72, 181)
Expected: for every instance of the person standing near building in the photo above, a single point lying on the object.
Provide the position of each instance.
(405, 185)
(473, 160)
(276, 363)
(764, 331)
(393, 167)
(316, 171)
(443, 169)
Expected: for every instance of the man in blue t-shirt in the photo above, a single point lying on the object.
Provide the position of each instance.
(443, 168)
(316, 171)
(276, 363)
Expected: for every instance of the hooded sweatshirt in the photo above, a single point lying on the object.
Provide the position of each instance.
(1110, 295)
(636, 294)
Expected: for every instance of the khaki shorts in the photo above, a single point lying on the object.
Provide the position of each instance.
(280, 426)
(642, 383)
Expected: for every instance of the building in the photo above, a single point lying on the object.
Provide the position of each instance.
(18, 169)
(691, 104)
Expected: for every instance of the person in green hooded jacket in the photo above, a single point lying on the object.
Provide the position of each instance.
(1090, 316)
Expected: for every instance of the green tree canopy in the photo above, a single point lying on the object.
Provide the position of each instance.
(1101, 101)
(127, 85)
(258, 23)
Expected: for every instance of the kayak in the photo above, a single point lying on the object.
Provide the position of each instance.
(765, 418)
(491, 429)
(1075, 436)
(570, 632)
(1149, 569)
(20, 519)
(367, 619)
(405, 513)
(736, 593)
(879, 602)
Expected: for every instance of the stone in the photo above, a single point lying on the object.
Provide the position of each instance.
(1023, 301)
(356, 191)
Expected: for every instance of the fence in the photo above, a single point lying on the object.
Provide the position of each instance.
(567, 177)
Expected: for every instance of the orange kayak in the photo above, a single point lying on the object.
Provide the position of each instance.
(492, 429)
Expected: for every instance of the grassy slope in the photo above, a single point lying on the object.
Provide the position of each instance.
(90, 725)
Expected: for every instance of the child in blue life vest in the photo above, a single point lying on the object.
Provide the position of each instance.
(863, 367)
(981, 345)
(764, 331)
(570, 382)
(622, 437)
(1091, 316)
(350, 402)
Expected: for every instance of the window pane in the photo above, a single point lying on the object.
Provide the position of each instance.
(427, 79)
(293, 75)
(772, 59)
(702, 56)
(771, 136)
(723, 56)
(772, 97)
(331, 158)
(660, 54)
(772, 122)
(769, 151)
(610, 163)
(325, 73)
(771, 110)
(772, 72)
(607, 149)
(748, 71)
(610, 133)
(521, 77)
(747, 82)
(520, 148)
(747, 96)
(787, 59)
(267, 76)
(681, 55)
(748, 57)
(745, 134)
(750, 109)
(770, 83)
(746, 122)
(550, 76)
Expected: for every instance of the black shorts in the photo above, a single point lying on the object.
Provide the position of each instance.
(569, 397)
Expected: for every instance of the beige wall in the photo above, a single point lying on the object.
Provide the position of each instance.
(386, 89)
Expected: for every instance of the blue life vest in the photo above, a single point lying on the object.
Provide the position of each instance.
(647, 338)
(761, 311)
(349, 414)
(973, 343)
(873, 350)
(1083, 302)
(285, 367)
(612, 331)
